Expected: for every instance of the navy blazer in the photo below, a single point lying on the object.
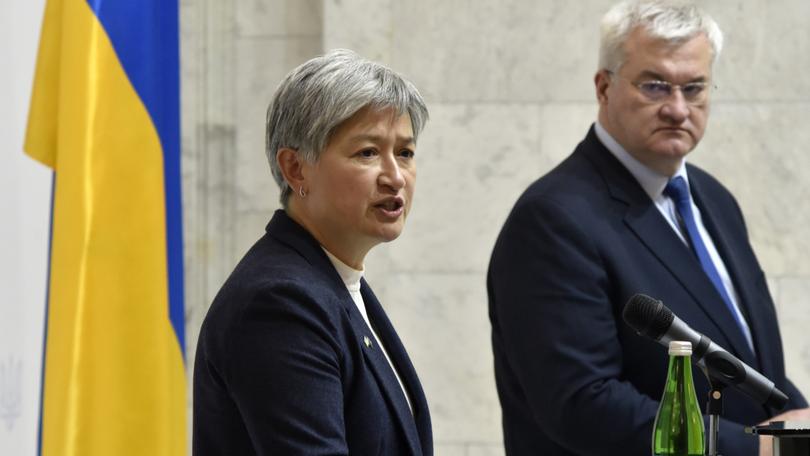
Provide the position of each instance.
(286, 364)
(572, 378)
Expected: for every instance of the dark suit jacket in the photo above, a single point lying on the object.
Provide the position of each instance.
(572, 378)
(283, 367)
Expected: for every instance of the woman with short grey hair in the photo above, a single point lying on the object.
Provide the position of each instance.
(296, 355)
(322, 93)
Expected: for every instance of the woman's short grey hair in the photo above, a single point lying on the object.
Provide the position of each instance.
(318, 96)
(673, 21)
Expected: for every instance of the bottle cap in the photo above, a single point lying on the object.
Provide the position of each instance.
(680, 348)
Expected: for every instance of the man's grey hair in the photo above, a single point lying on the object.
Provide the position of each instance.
(315, 98)
(673, 21)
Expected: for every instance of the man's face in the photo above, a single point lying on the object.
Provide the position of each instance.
(658, 133)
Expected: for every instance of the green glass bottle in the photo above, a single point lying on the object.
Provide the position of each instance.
(678, 429)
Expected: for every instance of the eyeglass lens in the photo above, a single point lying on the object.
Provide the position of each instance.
(659, 90)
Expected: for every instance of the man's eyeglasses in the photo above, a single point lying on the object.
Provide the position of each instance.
(657, 91)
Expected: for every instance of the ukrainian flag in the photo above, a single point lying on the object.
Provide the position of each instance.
(105, 116)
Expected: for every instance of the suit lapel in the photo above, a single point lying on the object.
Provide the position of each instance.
(407, 373)
(647, 223)
(657, 235)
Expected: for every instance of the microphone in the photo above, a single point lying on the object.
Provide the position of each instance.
(651, 318)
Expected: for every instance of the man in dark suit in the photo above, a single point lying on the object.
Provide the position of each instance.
(625, 214)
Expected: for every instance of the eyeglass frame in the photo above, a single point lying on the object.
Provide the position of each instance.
(706, 87)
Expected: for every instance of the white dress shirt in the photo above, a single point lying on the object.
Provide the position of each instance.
(654, 184)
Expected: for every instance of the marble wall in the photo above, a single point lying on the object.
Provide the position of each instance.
(509, 87)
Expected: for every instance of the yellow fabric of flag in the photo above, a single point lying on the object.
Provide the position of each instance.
(114, 381)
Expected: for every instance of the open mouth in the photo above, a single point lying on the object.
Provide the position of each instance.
(391, 207)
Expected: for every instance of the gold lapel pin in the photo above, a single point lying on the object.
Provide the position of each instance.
(367, 341)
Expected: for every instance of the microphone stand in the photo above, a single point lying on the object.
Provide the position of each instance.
(721, 370)
(714, 407)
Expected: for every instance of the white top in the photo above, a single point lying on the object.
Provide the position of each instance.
(351, 278)
(654, 184)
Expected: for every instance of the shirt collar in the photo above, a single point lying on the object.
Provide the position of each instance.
(652, 182)
(350, 276)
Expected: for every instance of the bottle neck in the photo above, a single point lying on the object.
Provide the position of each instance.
(680, 367)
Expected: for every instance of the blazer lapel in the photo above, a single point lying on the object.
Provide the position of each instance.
(417, 423)
(647, 223)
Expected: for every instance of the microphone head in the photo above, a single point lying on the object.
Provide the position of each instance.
(648, 316)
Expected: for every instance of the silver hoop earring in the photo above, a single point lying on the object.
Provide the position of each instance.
(301, 192)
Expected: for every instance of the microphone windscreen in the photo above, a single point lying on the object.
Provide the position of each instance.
(648, 316)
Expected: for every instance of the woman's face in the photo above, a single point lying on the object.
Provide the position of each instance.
(359, 191)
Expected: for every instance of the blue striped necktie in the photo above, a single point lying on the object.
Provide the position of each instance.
(677, 190)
